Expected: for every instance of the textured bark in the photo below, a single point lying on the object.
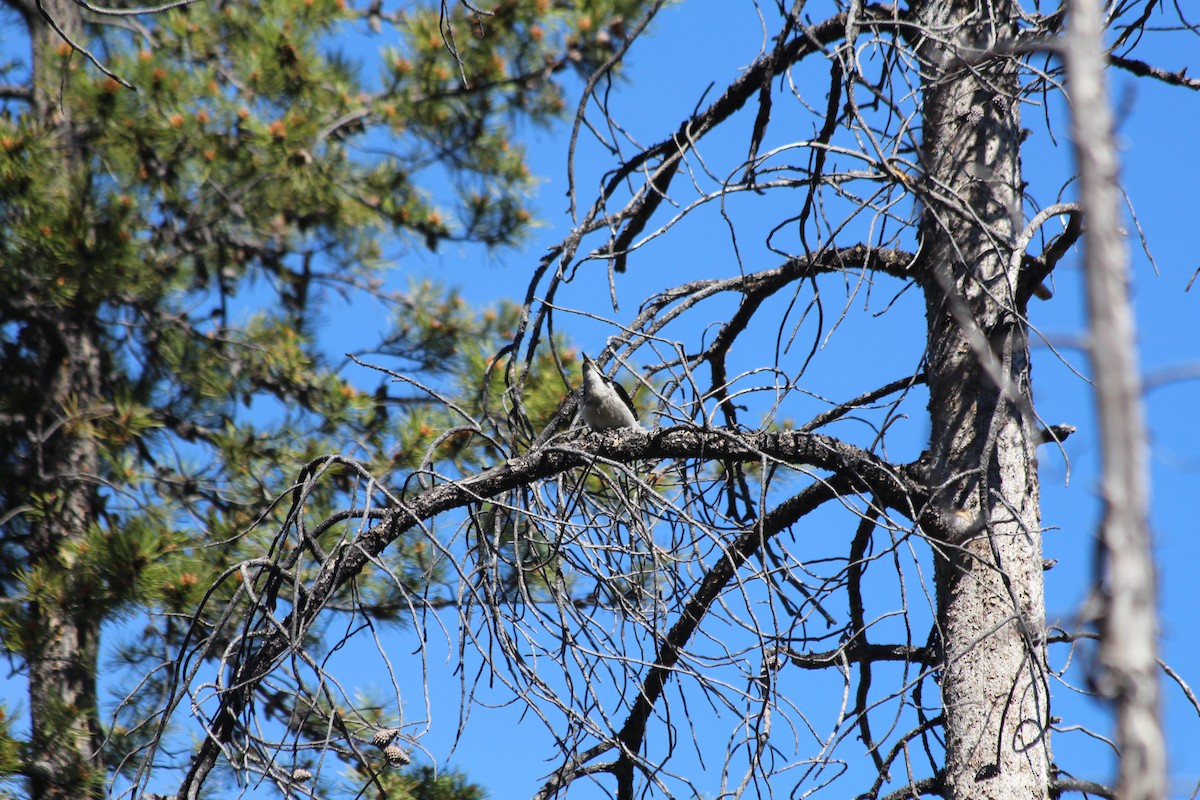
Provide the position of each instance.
(983, 438)
(65, 731)
(64, 626)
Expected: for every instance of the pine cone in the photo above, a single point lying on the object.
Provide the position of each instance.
(396, 756)
(383, 737)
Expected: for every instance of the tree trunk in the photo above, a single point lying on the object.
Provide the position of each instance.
(991, 610)
(64, 624)
(63, 620)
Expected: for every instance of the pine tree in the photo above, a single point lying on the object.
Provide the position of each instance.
(180, 200)
(732, 602)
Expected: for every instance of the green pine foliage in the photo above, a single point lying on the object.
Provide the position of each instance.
(192, 233)
(424, 783)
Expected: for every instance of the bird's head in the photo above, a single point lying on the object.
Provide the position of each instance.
(591, 372)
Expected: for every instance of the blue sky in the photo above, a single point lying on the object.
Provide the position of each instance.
(699, 42)
(1158, 130)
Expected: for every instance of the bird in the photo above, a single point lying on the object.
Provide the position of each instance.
(605, 403)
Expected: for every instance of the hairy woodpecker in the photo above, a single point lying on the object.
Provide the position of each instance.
(605, 402)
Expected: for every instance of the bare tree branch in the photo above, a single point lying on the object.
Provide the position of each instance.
(1143, 69)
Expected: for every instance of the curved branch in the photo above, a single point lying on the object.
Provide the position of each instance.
(855, 470)
(672, 149)
(779, 518)
(1036, 270)
(76, 46)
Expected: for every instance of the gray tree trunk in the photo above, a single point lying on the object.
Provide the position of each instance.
(991, 611)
